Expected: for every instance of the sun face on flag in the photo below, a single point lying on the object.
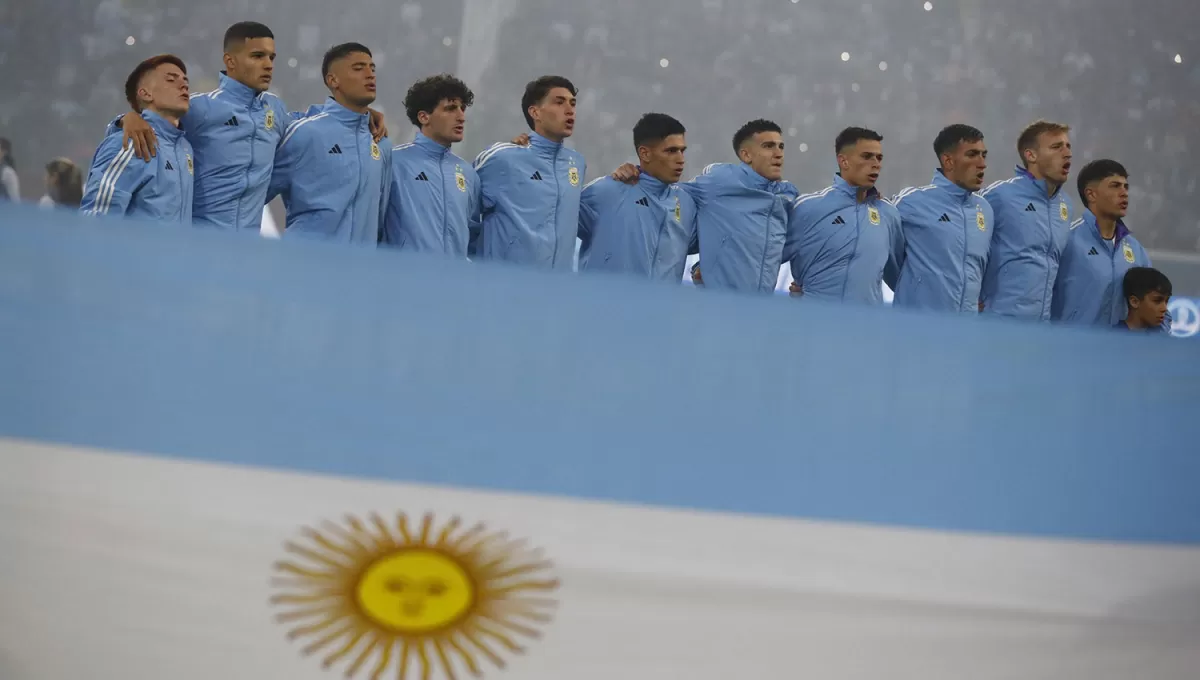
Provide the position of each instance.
(419, 599)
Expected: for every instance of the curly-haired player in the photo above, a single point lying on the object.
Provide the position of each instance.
(434, 192)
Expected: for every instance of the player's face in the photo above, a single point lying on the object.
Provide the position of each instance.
(252, 63)
(860, 164)
(353, 76)
(764, 153)
(1152, 309)
(1052, 156)
(447, 124)
(664, 159)
(966, 165)
(1109, 197)
(554, 116)
(166, 90)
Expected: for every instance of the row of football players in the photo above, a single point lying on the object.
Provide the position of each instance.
(215, 158)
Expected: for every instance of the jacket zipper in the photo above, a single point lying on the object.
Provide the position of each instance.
(962, 291)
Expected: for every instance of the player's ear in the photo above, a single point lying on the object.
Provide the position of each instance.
(227, 59)
(423, 117)
(643, 154)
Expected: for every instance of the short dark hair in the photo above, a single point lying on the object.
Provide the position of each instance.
(655, 127)
(536, 91)
(426, 94)
(1096, 171)
(1029, 136)
(853, 135)
(6, 147)
(341, 52)
(237, 34)
(1141, 281)
(134, 81)
(753, 128)
(953, 135)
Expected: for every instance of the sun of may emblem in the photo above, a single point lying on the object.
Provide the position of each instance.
(377, 595)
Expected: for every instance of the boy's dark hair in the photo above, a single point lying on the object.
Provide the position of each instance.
(753, 128)
(537, 90)
(6, 147)
(1029, 136)
(852, 135)
(134, 81)
(953, 135)
(655, 127)
(340, 52)
(1141, 281)
(427, 94)
(1097, 171)
(237, 34)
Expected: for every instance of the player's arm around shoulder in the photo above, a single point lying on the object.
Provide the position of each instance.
(114, 176)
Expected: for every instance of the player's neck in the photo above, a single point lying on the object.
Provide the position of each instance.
(429, 134)
(1051, 185)
(357, 108)
(1135, 323)
(542, 132)
(172, 118)
(238, 78)
(1106, 225)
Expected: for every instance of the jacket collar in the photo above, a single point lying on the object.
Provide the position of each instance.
(1039, 183)
(429, 146)
(236, 91)
(942, 182)
(653, 185)
(751, 178)
(1090, 219)
(162, 127)
(344, 115)
(542, 146)
(850, 190)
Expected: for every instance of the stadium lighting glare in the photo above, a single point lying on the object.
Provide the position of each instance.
(845, 56)
(803, 147)
(929, 7)
(293, 62)
(883, 66)
(664, 62)
(130, 40)
(1178, 58)
(447, 41)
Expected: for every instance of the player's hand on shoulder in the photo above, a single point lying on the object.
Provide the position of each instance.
(627, 173)
(377, 124)
(135, 130)
(521, 139)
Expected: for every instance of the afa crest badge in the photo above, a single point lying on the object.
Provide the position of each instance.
(374, 151)
(386, 596)
(678, 211)
(1062, 211)
(980, 220)
(873, 215)
(269, 122)
(189, 164)
(460, 180)
(1127, 251)
(573, 175)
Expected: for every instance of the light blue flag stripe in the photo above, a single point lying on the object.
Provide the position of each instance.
(189, 344)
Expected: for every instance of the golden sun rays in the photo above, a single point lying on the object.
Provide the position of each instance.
(419, 600)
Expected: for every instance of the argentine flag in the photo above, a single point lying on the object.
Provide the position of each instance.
(231, 459)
